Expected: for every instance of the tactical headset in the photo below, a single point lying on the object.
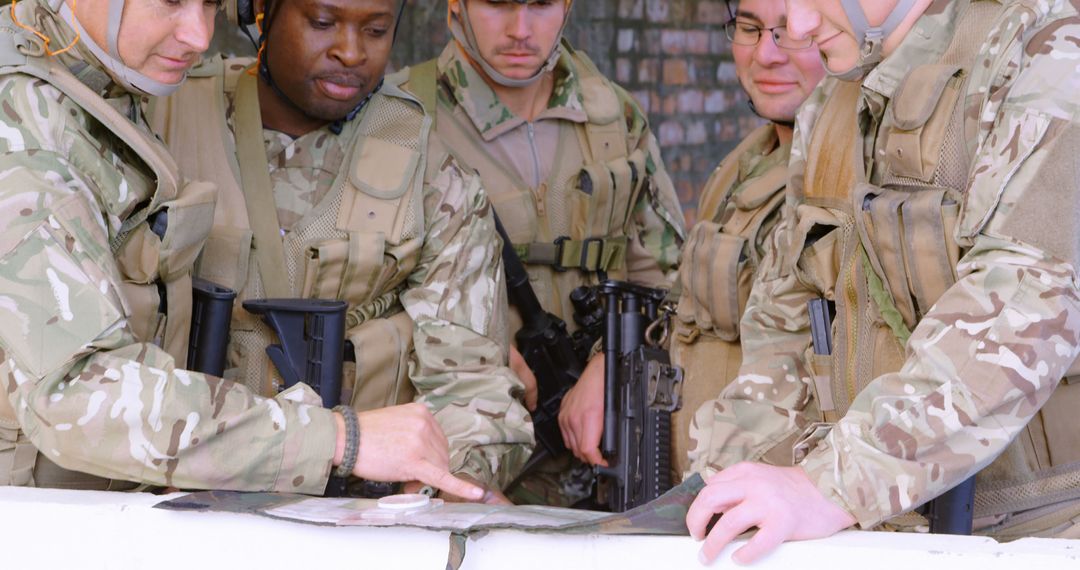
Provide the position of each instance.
(241, 12)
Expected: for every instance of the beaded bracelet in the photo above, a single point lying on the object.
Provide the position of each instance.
(352, 441)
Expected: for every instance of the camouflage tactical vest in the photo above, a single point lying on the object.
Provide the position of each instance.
(156, 264)
(717, 267)
(889, 252)
(575, 224)
(359, 244)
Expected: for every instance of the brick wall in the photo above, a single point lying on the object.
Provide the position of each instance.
(671, 54)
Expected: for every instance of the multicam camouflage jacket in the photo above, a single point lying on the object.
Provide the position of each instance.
(87, 387)
(458, 365)
(981, 361)
(531, 171)
(448, 278)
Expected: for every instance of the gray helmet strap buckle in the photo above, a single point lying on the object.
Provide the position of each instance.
(871, 38)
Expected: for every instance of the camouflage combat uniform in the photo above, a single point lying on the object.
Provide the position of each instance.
(81, 367)
(739, 208)
(438, 285)
(970, 379)
(544, 197)
(533, 172)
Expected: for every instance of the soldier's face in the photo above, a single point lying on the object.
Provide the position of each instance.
(328, 55)
(160, 39)
(516, 39)
(826, 22)
(778, 80)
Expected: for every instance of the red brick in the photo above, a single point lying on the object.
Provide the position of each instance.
(676, 72)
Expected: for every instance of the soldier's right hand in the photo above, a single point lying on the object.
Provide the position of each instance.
(581, 416)
(405, 443)
(521, 368)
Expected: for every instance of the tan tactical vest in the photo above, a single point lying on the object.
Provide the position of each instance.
(359, 244)
(149, 265)
(717, 268)
(892, 253)
(576, 223)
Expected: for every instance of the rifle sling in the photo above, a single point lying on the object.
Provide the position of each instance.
(517, 278)
(259, 190)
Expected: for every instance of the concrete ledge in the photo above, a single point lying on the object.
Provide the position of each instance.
(119, 531)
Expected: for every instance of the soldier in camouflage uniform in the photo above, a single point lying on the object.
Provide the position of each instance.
(535, 118)
(934, 198)
(738, 209)
(97, 239)
(421, 263)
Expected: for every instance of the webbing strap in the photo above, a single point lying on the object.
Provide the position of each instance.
(931, 271)
(590, 255)
(259, 190)
(424, 85)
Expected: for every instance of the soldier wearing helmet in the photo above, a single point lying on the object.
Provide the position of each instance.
(934, 201)
(97, 245)
(363, 206)
(530, 113)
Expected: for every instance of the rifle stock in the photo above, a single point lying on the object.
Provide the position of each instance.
(211, 319)
(311, 334)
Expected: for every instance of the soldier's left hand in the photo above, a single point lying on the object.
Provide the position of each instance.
(781, 502)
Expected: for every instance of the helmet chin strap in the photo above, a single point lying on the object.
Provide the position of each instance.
(462, 30)
(871, 39)
(126, 77)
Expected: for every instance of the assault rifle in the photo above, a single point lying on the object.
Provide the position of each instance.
(546, 347)
(950, 513)
(642, 389)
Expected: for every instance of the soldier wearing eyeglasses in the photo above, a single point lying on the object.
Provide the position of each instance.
(739, 207)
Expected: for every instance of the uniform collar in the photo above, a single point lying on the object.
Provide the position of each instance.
(762, 153)
(925, 43)
(490, 117)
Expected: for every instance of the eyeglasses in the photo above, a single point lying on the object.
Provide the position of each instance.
(747, 34)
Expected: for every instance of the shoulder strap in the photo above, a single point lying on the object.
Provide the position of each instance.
(259, 190)
(424, 85)
(154, 156)
(835, 161)
(605, 134)
(721, 184)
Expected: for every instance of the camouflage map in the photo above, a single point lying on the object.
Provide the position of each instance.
(664, 516)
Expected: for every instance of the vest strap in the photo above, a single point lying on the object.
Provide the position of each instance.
(424, 85)
(259, 190)
(590, 255)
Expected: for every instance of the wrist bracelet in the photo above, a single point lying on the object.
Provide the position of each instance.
(352, 441)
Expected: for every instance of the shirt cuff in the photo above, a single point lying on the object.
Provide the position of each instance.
(308, 449)
(825, 467)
